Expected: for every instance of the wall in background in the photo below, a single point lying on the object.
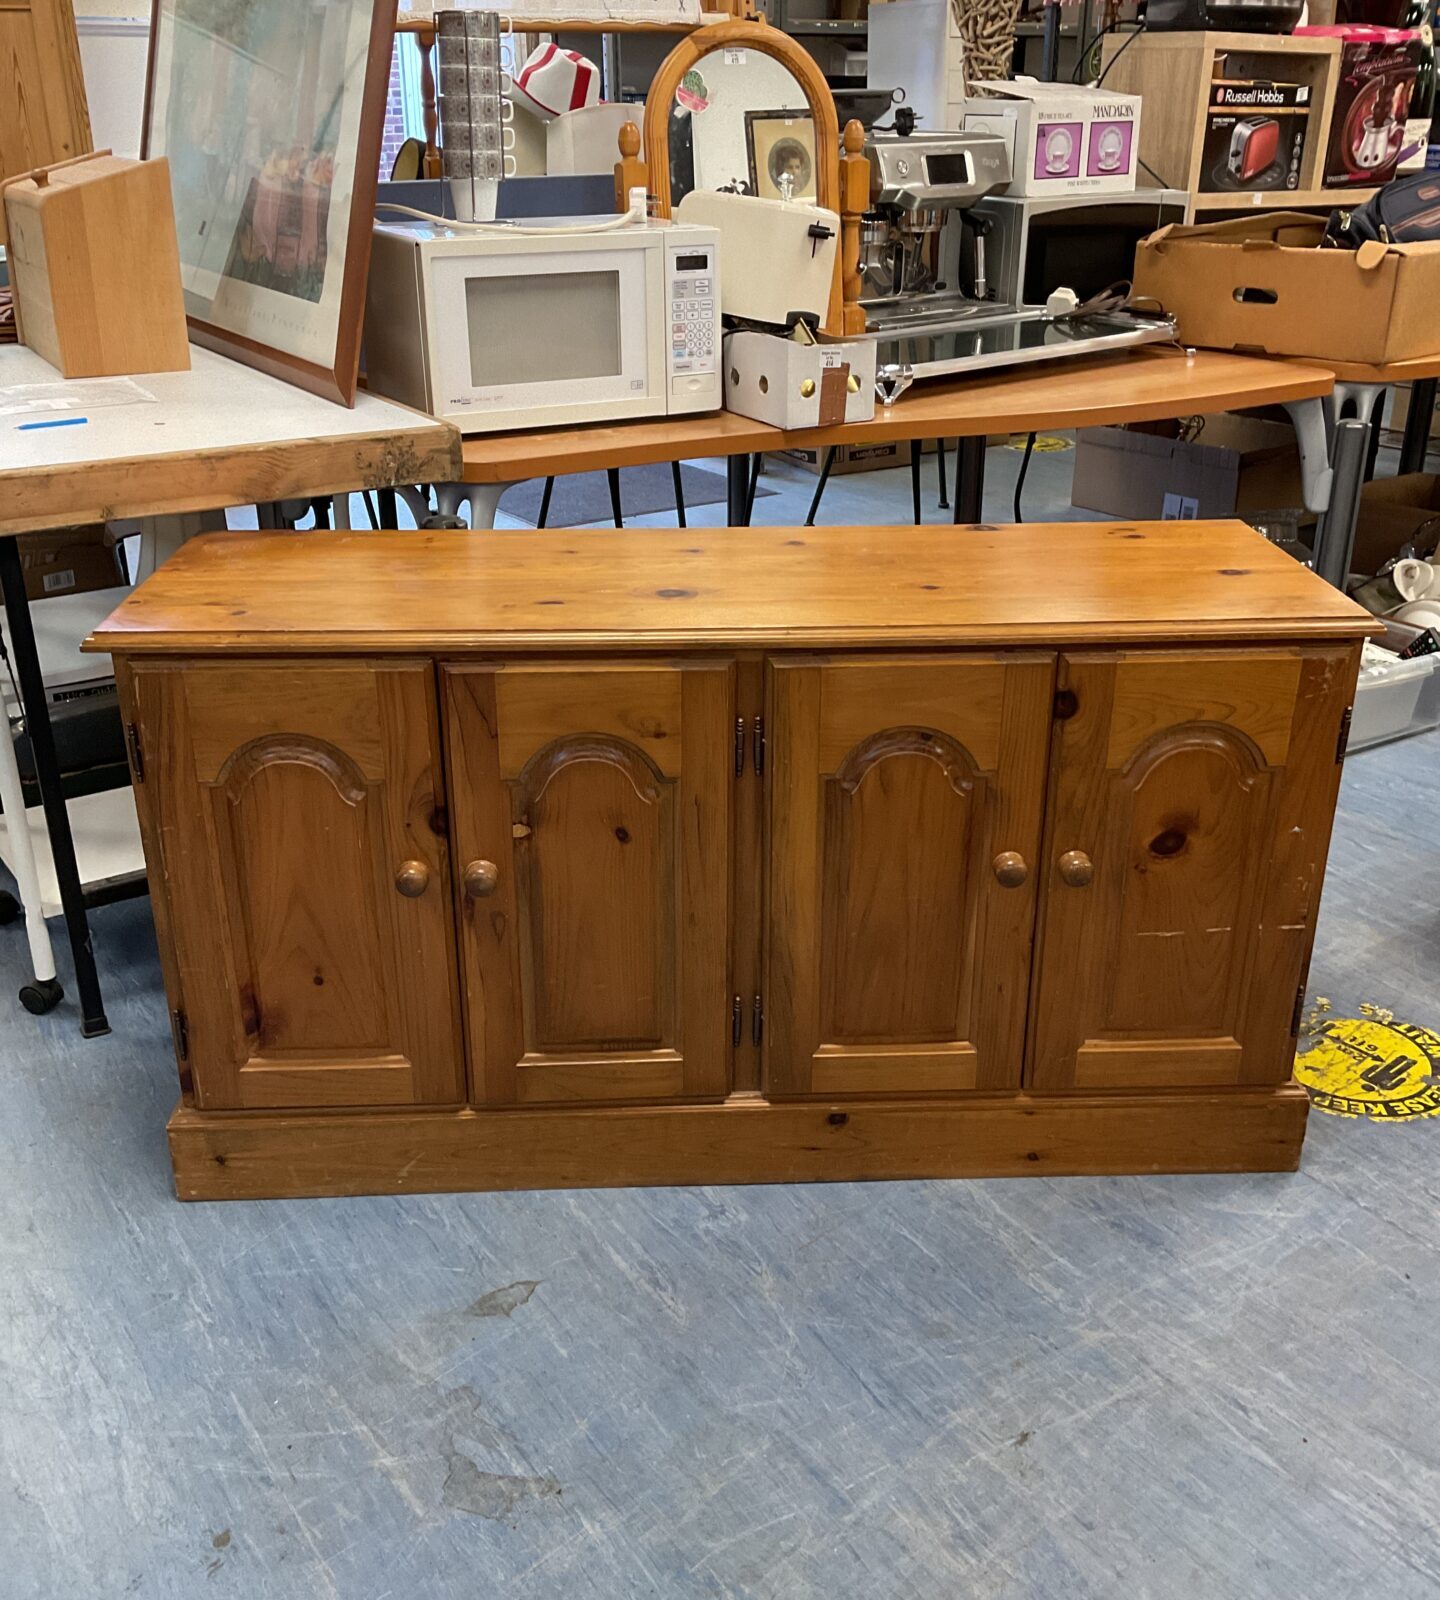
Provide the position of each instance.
(113, 48)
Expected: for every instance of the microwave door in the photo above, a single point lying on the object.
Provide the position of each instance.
(522, 338)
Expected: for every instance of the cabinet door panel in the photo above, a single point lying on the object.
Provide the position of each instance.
(1199, 786)
(286, 800)
(597, 965)
(897, 960)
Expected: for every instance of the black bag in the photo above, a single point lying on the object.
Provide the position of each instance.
(1405, 211)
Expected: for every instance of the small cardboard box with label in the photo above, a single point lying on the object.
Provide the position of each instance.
(1263, 283)
(791, 383)
(1062, 139)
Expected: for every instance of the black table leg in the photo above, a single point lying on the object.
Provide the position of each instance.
(613, 474)
(737, 486)
(752, 486)
(26, 661)
(1417, 425)
(1377, 427)
(915, 480)
(677, 481)
(826, 463)
(545, 494)
(940, 472)
(970, 479)
(389, 508)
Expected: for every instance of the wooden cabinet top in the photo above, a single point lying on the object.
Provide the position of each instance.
(586, 589)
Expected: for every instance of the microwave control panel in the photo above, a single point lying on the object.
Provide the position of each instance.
(694, 352)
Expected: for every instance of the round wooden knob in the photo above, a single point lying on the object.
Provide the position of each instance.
(412, 879)
(480, 878)
(1076, 868)
(1010, 869)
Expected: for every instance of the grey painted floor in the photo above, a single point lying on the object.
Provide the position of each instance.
(1187, 1389)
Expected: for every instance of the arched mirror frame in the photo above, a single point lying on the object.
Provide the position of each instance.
(842, 183)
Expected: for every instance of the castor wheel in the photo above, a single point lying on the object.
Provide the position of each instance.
(9, 907)
(41, 996)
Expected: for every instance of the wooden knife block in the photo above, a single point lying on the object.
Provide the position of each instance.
(95, 266)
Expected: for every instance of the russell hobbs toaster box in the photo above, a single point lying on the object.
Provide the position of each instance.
(1263, 283)
(1254, 136)
(790, 384)
(1063, 140)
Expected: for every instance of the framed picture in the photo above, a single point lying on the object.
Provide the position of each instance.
(270, 113)
(781, 148)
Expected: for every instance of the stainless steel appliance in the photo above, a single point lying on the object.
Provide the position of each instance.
(1040, 243)
(928, 317)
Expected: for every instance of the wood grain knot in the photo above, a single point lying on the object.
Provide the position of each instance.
(675, 594)
(838, 1119)
(1169, 843)
(623, 835)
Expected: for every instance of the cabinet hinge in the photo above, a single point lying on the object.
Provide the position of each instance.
(1347, 717)
(135, 751)
(759, 747)
(739, 746)
(1296, 1014)
(737, 1012)
(757, 1022)
(180, 1028)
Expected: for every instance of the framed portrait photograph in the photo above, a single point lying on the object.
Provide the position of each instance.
(781, 149)
(270, 113)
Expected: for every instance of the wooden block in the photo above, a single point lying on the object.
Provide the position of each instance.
(95, 266)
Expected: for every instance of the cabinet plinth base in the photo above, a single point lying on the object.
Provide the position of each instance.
(278, 1154)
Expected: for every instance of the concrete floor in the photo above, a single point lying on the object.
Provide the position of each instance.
(1182, 1388)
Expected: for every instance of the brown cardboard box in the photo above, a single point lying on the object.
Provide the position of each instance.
(853, 457)
(1400, 411)
(1241, 464)
(70, 561)
(1259, 283)
(1395, 512)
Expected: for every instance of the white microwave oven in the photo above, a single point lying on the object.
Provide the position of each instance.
(506, 328)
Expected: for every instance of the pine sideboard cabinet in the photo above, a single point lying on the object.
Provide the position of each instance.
(570, 858)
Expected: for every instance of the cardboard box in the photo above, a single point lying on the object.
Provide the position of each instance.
(1239, 464)
(1402, 397)
(70, 561)
(853, 457)
(793, 385)
(1261, 283)
(1254, 136)
(1395, 512)
(1371, 106)
(1062, 139)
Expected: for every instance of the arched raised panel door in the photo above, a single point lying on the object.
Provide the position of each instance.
(306, 880)
(592, 812)
(1189, 818)
(904, 821)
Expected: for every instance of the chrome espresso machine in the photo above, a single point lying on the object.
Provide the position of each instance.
(923, 184)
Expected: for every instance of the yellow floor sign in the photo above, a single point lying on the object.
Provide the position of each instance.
(1369, 1066)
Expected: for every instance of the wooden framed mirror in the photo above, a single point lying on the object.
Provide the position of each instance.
(740, 105)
